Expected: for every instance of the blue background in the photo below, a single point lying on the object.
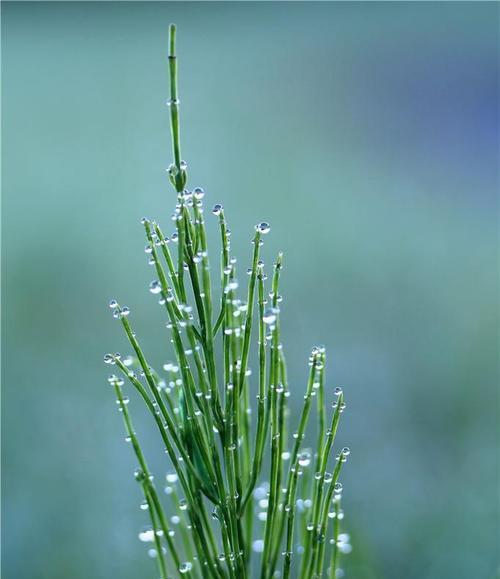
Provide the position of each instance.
(367, 135)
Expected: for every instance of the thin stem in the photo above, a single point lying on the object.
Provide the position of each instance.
(335, 549)
(262, 423)
(320, 482)
(290, 516)
(178, 175)
(144, 475)
(317, 560)
(250, 305)
(162, 566)
(276, 391)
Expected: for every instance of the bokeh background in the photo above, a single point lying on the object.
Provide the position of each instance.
(367, 135)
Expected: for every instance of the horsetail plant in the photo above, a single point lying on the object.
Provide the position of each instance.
(224, 520)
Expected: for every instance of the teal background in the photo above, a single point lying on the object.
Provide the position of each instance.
(367, 135)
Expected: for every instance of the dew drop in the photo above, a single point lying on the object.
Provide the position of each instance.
(128, 361)
(155, 287)
(269, 316)
(263, 228)
(185, 567)
(198, 193)
(147, 536)
(304, 458)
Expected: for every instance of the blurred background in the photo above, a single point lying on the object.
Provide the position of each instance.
(367, 135)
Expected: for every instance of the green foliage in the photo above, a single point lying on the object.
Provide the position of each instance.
(203, 413)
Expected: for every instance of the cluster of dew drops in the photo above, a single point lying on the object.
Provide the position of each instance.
(147, 534)
(270, 316)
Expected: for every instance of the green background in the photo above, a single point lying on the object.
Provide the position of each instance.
(367, 135)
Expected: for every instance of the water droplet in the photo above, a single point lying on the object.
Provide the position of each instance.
(198, 193)
(147, 535)
(139, 475)
(155, 287)
(258, 546)
(269, 316)
(113, 304)
(217, 209)
(263, 228)
(128, 361)
(304, 458)
(261, 492)
(185, 567)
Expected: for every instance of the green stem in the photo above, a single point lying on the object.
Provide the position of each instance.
(179, 177)
(144, 477)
